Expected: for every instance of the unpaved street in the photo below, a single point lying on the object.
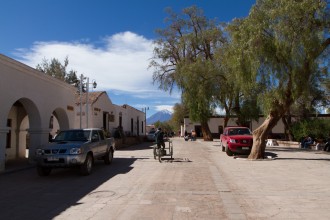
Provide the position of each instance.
(201, 182)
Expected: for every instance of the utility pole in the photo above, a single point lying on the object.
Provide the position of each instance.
(80, 94)
(145, 120)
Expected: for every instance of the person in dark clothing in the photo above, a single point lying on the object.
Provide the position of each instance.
(159, 138)
(306, 142)
(327, 144)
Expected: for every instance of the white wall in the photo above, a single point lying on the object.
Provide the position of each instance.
(214, 124)
(39, 95)
(104, 104)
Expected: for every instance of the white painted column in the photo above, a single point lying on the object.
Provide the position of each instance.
(38, 137)
(3, 138)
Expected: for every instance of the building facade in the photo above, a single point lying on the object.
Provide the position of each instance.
(216, 125)
(29, 99)
(100, 112)
(34, 106)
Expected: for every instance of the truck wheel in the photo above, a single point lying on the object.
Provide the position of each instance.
(108, 157)
(229, 152)
(86, 167)
(43, 171)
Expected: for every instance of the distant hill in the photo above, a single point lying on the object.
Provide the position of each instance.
(161, 116)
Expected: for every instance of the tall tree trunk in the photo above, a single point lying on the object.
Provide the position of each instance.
(207, 135)
(225, 121)
(287, 125)
(260, 136)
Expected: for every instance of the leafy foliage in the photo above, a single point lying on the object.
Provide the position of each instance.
(316, 128)
(184, 56)
(281, 49)
(179, 112)
(166, 126)
(59, 71)
(278, 53)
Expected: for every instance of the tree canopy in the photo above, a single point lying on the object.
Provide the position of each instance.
(283, 46)
(272, 60)
(58, 70)
(184, 57)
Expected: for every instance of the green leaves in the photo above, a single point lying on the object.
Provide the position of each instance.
(283, 41)
(58, 70)
(270, 59)
(184, 56)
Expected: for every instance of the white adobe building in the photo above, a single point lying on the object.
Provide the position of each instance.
(131, 120)
(216, 126)
(28, 95)
(34, 105)
(102, 113)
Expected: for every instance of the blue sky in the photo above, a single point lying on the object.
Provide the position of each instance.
(109, 41)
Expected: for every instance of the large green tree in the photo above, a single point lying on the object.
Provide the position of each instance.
(229, 94)
(184, 57)
(179, 113)
(284, 46)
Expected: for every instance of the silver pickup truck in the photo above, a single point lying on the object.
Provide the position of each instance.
(76, 147)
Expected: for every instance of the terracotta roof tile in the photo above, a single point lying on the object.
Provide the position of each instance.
(92, 97)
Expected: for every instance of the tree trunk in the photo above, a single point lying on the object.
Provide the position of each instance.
(260, 136)
(225, 121)
(287, 125)
(207, 135)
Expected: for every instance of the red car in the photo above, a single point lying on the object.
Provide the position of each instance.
(236, 140)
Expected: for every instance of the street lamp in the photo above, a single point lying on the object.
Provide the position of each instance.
(145, 119)
(82, 78)
(87, 91)
(80, 93)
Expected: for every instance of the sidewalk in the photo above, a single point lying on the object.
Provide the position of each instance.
(294, 185)
(17, 165)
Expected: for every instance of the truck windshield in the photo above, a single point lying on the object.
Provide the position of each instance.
(77, 135)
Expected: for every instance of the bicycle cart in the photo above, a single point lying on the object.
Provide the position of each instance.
(160, 152)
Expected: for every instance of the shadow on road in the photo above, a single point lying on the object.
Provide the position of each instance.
(294, 150)
(292, 158)
(142, 146)
(25, 195)
(176, 160)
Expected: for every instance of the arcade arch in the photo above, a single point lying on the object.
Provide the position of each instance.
(27, 110)
(21, 118)
(23, 114)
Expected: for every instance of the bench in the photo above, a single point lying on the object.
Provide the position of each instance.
(271, 142)
(315, 146)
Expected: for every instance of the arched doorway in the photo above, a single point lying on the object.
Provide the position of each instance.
(22, 116)
(58, 121)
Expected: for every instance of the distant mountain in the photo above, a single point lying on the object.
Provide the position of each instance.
(161, 116)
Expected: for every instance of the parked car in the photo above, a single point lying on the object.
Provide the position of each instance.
(151, 135)
(75, 148)
(236, 140)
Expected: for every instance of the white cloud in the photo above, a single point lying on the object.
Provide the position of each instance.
(121, 64)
